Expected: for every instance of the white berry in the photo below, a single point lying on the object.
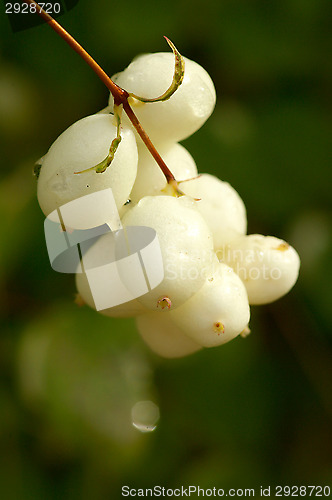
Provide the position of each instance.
(186, 247)
(218, 312)
(82, 146)
(220, 205)
(163, 337)
(188, 108)
(268, 266)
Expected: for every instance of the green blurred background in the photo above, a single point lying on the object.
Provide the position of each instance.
(254, 412)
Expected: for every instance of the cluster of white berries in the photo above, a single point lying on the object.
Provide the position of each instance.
(212, 269)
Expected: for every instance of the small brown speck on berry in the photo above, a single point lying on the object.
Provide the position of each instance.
(164, 302)
(219, 327)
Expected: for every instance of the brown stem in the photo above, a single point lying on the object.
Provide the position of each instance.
(147, 141)
(120, 95)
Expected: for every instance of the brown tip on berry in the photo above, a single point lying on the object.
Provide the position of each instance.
(219, 327)
(283, 247)
(164, 302)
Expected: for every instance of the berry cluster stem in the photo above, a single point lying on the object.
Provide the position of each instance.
(120, 95)
(147, 141)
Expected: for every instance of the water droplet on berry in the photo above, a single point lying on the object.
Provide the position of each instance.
(145, 415)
